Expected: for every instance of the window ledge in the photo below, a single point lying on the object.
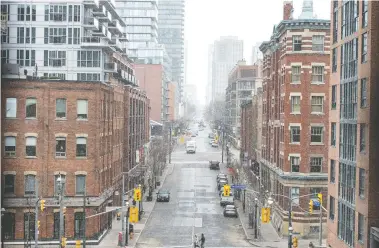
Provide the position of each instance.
(61, 119)
(10, 157)
(295, 83)
(317, 83)
(294, 143)
(30, 118)
(317, 143)
(30, 157)
(81, 158)
(79, 119)
(9, 195)
(295, 113)
(11, 118)
(62, 157)
(317, 113)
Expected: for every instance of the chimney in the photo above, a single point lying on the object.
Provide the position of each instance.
(287, 10)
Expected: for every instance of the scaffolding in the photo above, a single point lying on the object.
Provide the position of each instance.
(4, 21)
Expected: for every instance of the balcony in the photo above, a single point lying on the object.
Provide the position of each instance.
(115, 27)
(102, 31)
(92, 3)
(107, 18)
(100, 13)
(108, 35)
(116, 43)
(91, 23)
(110, 5)
(124, 37)
(110, 67)
(94, 42)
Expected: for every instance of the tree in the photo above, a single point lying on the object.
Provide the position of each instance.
(157, 154)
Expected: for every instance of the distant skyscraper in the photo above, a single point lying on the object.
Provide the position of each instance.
(171, 34)
(226, 53)
(208, 96)
(140, 17)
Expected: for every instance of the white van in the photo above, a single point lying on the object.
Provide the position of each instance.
(191, 146)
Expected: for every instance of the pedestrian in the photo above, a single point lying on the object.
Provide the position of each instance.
(195, 242)
(202, 240)
(311, 245)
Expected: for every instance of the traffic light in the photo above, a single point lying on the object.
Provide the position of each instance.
(63, 242)
(265, 215)
(311, 206)
(137, 194)
(319, 196)
(226, 190)
(77, 244)
(294, 242)
(42, 207)
(38, 224)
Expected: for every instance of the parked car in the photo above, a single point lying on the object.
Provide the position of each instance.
(214, 165)
(230, 211)
(223, 177)
(219, 175)
(163, 195)
(226, 200)
(214, 144)
(221, 183)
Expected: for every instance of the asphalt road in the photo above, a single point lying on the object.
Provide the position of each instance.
(194, 206)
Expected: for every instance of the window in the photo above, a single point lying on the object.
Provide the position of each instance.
(317, 104)
(334, 97)
(295, 104)
(333, 133)
(20, 57)
(82, 109)
(334, 59)
(9, 229)
(57, 36)
(5, 10)
(46, 36)
(296, 43)
(295, 192)
(31, 108)
(364, 13)
(363, 92)
(30, 184)
(31, 146)
(55, 58)
(88, 77)
(56, 13)
(5, 36)
(60, 147)
(364, 48)
(331, 207)
(362, 177)
(29, 225)
(34, 12)
(361, 227)
(80, 184)
(57, 187)
(316, 134)
(295, 134)
(335, 23)
(33, 35)
(21, 12)
(316, 164)
(362, 142)
(74, 37)
(332, 171)
(81, 147)
(11, 107)
(317, 43)
(76, 13)
(349, 100)
(349, 59)
(350, 17)
(79, 225)
(61, 76)
(9, 184)
(20, 35)
(4, 57)
(348, 141)
(317, 74)
(295, 164)
(57, 225)
(10, 146)
(60, 108)
(88, 59)
(296, 70)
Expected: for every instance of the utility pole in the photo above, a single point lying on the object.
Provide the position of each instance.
(320, 234)
(84, 212)
(290, 225)
(36, 217)
(61, 215)
(170, 145)
(122, 211)
(223, 143)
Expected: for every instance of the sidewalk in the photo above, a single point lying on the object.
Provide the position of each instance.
(111, 240)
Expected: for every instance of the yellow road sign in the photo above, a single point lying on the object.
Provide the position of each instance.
(133, 215)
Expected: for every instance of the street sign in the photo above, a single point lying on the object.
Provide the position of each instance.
(238, 186)
(111, 209)
(133, 215)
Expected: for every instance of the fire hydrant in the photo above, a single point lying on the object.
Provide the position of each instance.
(120, 239)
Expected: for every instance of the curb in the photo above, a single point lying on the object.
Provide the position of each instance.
(148, 217)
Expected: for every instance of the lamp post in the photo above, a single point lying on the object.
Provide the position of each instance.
(256, 219)
(61, 182)
(140, 204)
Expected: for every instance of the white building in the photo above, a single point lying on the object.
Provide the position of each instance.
(226, 53)
(208, 95)
(69, 40)
(190, 93)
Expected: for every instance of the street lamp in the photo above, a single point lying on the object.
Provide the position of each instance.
(256, 219)
(127, 223)
(60, 183)
(270, 201)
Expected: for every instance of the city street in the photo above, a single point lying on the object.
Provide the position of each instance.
(194, 205)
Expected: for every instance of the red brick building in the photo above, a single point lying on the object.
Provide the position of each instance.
(86, 132)
(295, 123)
(247, 127)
